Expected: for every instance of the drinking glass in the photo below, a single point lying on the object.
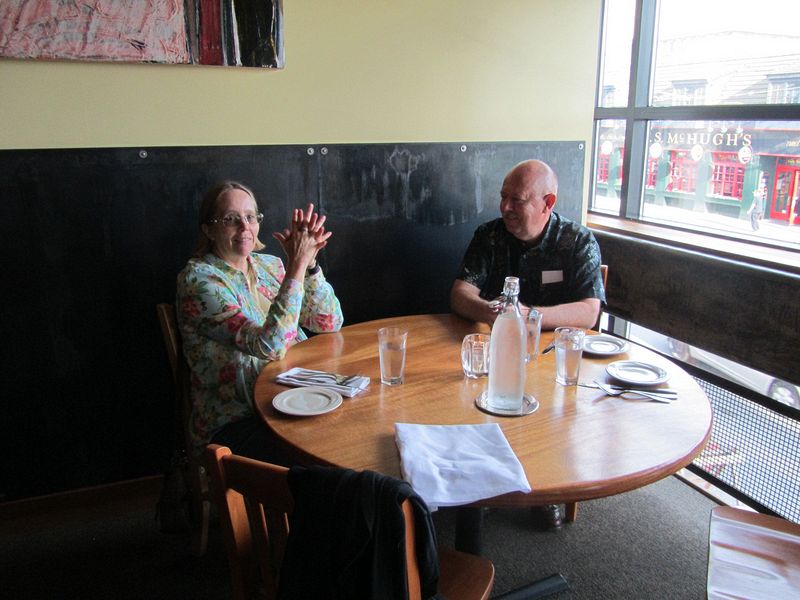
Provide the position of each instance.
(533, 328)
(475, 355)
(569, 349)
(392, 352)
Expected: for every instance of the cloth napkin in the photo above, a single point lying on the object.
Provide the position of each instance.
(450, 465)
(346, 385)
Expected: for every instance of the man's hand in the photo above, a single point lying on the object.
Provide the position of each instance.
(466, 302)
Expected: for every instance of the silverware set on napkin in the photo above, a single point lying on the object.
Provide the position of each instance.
(322, 378)
(347, 385)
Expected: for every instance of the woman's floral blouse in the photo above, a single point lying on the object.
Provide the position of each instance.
(229, 335)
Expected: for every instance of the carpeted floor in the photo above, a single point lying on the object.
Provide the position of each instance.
(650, 543)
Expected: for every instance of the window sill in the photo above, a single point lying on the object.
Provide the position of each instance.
(744, 252)
(709, 490)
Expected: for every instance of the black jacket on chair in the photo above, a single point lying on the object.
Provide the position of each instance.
(347, 537)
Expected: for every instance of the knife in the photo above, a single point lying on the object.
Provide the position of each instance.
(663, 391)
(549, 347)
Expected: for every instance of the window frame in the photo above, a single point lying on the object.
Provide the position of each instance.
(637, 115)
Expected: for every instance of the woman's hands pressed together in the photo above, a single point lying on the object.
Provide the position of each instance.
(302, 240)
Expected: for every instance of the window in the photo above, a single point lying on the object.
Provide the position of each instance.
(728, 175)
(617, 38)
(685, 93)
(683, 172)
(652, 172)
(610, 144)
(783, 89)
(697, 125)
(602, 168)
(608, 95)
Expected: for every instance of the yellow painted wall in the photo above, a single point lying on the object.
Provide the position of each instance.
(356, 71)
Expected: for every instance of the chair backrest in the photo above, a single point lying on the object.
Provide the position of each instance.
(184, 444)
(255, 501)
(180, 372)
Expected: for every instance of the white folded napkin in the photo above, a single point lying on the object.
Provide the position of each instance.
(346, 385)
(450, 465)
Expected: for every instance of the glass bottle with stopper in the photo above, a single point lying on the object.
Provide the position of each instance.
(507, 352)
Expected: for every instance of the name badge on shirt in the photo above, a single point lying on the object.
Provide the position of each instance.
(552, 276)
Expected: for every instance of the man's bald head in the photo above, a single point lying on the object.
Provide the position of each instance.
(527, 198)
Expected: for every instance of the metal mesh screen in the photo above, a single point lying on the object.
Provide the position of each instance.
(754, 450)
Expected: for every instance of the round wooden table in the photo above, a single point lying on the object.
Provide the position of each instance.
(580, 444)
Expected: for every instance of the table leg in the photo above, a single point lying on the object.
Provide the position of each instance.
(469, 522)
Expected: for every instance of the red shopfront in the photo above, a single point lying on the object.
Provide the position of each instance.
(729, 170)
(785, 205)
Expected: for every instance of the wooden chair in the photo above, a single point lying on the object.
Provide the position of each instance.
(254, 502)
(196, 471)
(571, 508)
(752, 556)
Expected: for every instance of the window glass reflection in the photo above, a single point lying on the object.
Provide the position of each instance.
(618, 36)
(610, 151)
(735, 176)
(727, 52)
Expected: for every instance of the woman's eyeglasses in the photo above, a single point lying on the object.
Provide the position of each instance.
(234, 220)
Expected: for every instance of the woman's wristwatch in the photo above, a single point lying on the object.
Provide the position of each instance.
(313, 270)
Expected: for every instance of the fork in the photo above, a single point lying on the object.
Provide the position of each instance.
(656, 396)
(669, 393)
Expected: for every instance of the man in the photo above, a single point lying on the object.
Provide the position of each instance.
(557, 262)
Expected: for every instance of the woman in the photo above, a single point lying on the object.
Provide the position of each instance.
(238, 310)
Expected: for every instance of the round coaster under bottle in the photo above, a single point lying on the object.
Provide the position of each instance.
(529, 405)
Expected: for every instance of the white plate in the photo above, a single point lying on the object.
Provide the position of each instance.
(637, 373)
(604, 345)
(307, 401)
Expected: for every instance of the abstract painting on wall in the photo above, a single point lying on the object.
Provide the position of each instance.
(207, 32)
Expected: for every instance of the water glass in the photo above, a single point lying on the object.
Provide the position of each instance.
(475, 355)
(392, 352)
(533, 327)
(569, 349)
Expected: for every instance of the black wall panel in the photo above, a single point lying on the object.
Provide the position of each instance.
(92, 239)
